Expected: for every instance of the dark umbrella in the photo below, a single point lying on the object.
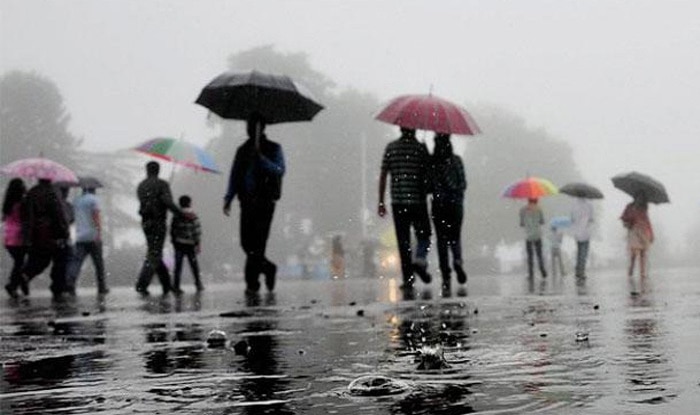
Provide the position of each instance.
(583, 190)
(86, 182)
(277, 98)
(633, 183)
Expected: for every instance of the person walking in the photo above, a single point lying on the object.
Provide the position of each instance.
(256, 179)
(88, 240)
(155, 200)
(60, 270)
(640, 234)
(13, 236)
(185, 234)
(582, 223)
(407, 161)
(47, 229)
(531, 220)
(556, 237)
(448, 186)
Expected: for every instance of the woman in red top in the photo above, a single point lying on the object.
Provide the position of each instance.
(13, 240)
(640, 235)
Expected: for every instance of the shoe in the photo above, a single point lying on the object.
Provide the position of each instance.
(200, 287)
(143, 291)
(176, 291)
(24, 285)
(103, 291)
(461, 275)
(270, 275)
(422, 271)
(11, 291)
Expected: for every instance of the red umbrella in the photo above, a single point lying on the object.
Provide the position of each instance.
(428, 112)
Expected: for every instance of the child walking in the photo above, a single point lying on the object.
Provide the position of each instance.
(185, 233)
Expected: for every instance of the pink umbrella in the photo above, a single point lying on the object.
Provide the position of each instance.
(428, 112)
(40, 168)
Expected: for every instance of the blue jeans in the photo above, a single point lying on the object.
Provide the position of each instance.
(581, 257)
(83, 249)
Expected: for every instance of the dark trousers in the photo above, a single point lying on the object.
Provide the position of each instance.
(405, 217)
(447, 218)
(182, 251)
(581, 257)
(535, 246)
(41, 257)
(82, 250)
(18, 254)
(155, 239)
(256, 219)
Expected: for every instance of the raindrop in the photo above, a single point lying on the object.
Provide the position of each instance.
(216, 338)
(581, 336)
(360, 313)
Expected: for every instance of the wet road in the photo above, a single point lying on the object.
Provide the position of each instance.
(606, 346)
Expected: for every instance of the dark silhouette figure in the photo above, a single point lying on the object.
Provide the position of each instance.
(156, 199)
(47, 229)
(13, 237)
(448, 186)
(407, 161)
(185, 233)
(256, 178)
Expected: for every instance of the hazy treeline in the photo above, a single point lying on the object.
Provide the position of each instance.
(332, 170)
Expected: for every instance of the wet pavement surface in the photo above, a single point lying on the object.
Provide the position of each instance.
(606, 345)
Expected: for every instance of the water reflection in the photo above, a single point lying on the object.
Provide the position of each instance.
(169, 353)
(647, 369)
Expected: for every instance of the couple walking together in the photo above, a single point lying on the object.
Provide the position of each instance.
(414, 174)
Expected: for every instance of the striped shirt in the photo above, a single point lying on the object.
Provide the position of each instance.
(406, 160)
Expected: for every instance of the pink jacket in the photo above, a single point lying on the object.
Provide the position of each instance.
(13, 227)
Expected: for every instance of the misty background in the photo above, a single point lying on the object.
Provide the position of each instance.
(563, 90)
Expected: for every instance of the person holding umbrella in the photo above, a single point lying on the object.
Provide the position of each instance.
(407, 161)
(155, 200)
(256, 178)
(640, 234)
(581, 225)
(88, 237)
(531, 220)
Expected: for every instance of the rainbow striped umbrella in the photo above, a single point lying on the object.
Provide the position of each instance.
(530, 188)
(179, 152)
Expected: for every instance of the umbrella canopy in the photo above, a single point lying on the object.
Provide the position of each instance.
(633, 183)
(86, 182)
(39, 168)
(530, 188)
(428, 112)
(179, 152)
(277, 98)
(583, 190)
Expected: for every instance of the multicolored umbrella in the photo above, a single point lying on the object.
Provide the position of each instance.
(179, 152)
(530, 188)
(428, 112)
(40, 168)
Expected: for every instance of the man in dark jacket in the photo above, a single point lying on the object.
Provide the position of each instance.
(256, 178)
(46, 225)
(156, 199)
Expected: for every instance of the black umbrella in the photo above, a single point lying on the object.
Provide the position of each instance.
(633, 183)
(583, 190)
(86, 182)
(277, 98)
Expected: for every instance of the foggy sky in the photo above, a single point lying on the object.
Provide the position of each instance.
(618, 80)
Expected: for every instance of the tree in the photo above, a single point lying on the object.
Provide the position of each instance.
(34, 120)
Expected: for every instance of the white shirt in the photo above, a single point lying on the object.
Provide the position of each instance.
(582, 219)
(85, 227)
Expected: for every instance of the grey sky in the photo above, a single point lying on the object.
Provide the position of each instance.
(619, 80)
